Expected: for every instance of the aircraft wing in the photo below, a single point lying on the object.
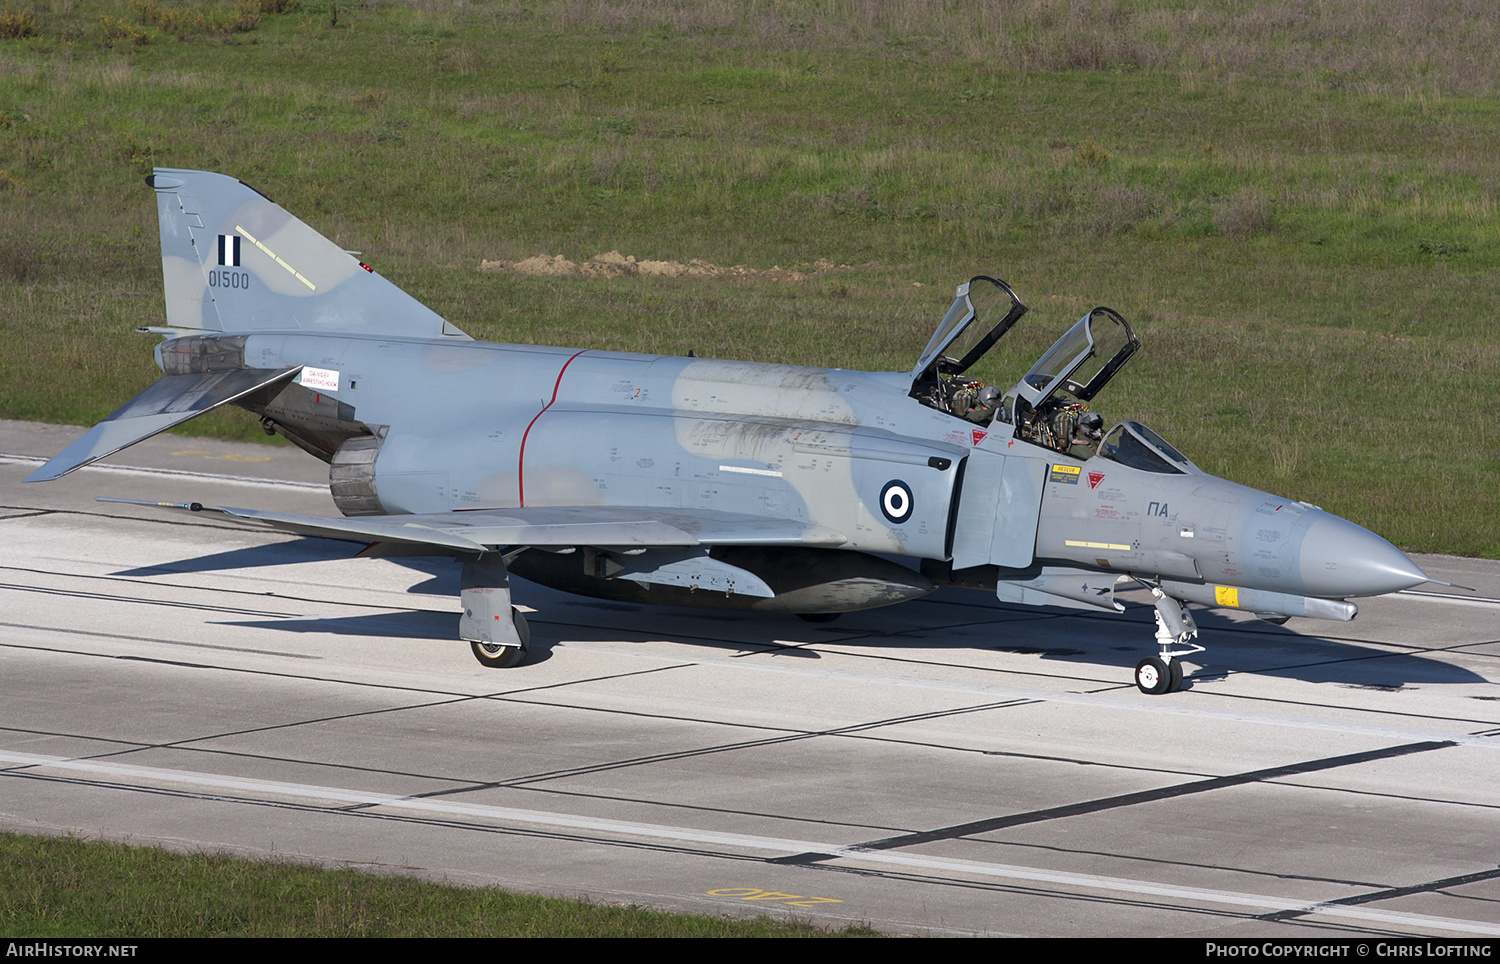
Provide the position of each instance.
(485, 530)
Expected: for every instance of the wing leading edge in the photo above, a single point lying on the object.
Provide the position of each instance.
(486, 530)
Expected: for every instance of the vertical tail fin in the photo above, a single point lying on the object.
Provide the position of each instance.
(235, 261)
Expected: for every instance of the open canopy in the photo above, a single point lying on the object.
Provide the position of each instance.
(1068, 374)
(983, 311)
(1083, 360)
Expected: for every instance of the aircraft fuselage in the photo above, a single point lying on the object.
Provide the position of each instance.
(475, 425)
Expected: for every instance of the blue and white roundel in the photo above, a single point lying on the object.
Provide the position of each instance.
(896, 501)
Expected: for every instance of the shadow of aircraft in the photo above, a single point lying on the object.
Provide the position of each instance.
(948, 620)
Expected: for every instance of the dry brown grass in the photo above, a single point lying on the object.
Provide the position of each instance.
(15, 25)
(1421, 45)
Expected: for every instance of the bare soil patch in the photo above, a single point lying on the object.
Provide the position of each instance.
(612, 264)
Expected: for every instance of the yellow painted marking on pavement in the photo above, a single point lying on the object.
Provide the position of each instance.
(227, 457)
(755, 893)
(272, 255)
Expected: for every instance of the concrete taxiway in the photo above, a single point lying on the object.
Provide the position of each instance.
(948, 766)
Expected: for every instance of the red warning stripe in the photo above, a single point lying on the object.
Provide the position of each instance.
(521, 459)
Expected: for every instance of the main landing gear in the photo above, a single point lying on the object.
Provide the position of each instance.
(495, 629)
(1162, 673)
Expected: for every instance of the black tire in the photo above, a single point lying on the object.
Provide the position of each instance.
(1152, 676)
(496, 656)
(1176, 668)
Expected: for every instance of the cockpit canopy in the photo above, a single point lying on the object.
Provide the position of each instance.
(1133, 444)
(1082, 360)
(966, 331)
(1047, 407)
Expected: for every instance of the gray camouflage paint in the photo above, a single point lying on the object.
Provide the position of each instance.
(442, 426)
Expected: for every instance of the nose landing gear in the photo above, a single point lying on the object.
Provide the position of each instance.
(1162, 673)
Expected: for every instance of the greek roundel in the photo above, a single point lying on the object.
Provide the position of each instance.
(896, 501)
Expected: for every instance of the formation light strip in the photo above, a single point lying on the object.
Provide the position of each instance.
(745, 470)
(1096, 545)
(272, 255)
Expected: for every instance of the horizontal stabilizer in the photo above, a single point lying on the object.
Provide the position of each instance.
(170, 400)
(588, 525)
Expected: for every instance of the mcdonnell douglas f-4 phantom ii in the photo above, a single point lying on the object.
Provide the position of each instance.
(700, 482)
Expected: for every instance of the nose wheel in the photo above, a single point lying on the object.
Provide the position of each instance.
(1154, 675)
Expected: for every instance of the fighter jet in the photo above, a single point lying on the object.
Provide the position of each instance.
(710, 483)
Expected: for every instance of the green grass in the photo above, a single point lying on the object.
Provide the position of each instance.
(64, 887)
(1293, 202)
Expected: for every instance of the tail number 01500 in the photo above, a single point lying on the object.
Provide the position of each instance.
(219, 278)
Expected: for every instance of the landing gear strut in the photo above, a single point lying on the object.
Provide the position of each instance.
(1162, 673)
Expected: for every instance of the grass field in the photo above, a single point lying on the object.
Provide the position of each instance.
(67, 887)
(1293, 202)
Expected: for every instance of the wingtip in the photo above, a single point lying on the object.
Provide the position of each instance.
(47, 472)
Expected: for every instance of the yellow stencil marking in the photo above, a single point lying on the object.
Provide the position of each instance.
(755, 893)
(1227, 596)
(1096, 545)
(232, 456)
(270, 254)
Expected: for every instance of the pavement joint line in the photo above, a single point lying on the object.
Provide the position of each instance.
(7, 458)
(1450, 598)
(1391, 893)
(1206, 785)
(947, 865)
(1113, 701)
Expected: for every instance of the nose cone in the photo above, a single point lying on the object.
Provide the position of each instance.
(1340, 559)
